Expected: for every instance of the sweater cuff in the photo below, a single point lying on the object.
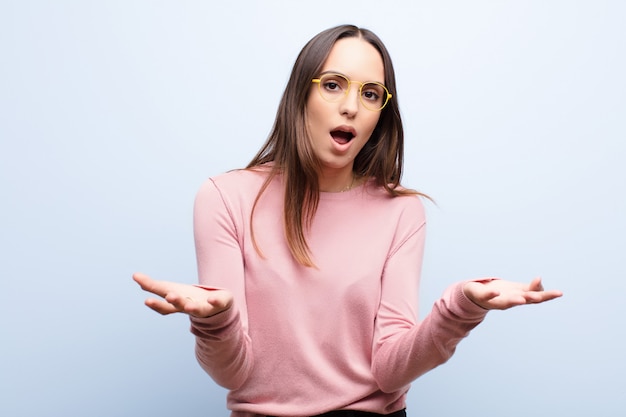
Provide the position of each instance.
(218, 326)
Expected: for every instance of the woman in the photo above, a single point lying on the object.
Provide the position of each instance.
(309, 259)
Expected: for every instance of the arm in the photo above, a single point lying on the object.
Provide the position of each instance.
(222, 343)
(404, 348)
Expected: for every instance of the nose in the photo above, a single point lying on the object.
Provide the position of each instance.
(349, 105)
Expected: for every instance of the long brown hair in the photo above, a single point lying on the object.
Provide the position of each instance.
(290, 152)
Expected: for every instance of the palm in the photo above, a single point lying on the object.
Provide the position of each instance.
(184, 298)
(499, 294)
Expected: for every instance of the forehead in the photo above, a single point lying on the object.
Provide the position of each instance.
(357, 59)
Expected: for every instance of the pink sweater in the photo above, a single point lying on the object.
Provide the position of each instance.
(302, 341)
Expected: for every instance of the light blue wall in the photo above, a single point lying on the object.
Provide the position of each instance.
(113, 113)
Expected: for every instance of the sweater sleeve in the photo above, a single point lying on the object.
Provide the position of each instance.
(222, 343)
(405, 348)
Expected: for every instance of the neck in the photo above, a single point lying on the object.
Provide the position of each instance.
(337, 183)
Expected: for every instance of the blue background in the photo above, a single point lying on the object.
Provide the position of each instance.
(113, 113)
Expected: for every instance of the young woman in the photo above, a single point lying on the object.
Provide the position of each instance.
(309, 259)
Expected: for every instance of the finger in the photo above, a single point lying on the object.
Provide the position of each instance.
(485, 292)
(479, 294)
(489, 298)
(143, 280)
(161, 307)
(512, 301)
(218, 303)
(179, 301)
(205, 305)
(191, 306)
(541, 296)
(198, 309)
(535, 285)
(150, 285)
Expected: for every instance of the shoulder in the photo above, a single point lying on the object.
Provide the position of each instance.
(411, 214)
(239, 179)
(409, 203)
(403, 215)
(237, 188)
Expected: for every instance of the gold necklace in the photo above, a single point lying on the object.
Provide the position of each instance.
(349, 186)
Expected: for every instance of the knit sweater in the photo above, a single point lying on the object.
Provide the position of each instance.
(345, 334)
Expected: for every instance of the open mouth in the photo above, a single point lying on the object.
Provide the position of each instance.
(342, 136)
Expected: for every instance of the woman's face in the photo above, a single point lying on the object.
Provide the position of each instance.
(340, 129)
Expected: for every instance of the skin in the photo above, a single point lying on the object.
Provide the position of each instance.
(359, 61)
(502, 295)
(183, 298)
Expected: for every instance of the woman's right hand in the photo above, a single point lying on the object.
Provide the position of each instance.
(184, 298)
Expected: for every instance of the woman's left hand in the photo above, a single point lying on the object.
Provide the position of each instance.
(499, 294)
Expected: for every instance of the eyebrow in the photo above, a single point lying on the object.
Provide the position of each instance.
(341, 73)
